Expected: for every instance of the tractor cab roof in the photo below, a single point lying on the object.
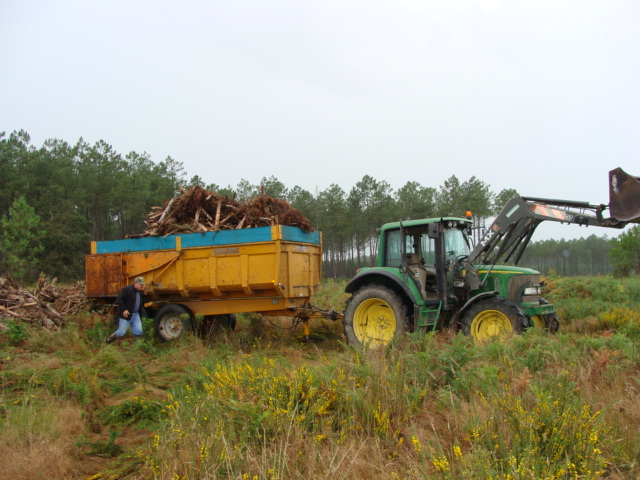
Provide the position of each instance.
(423, 222)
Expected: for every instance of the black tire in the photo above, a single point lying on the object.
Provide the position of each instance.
(548, 321)
(214, 324)
(493, 317)
(374, 316)
(170, 322)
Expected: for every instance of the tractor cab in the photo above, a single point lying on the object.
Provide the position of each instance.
(427, 250)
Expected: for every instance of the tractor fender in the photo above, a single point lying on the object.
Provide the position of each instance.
(455, 320)
(381, 277)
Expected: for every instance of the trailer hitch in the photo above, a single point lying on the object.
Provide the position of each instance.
(307, 312)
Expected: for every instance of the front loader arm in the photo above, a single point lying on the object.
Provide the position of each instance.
(511, 231)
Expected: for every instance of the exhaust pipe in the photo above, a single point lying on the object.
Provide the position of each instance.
(624, 196)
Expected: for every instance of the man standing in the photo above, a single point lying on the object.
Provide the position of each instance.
(129, 308)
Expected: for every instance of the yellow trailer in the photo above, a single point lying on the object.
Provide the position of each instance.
(272, 270)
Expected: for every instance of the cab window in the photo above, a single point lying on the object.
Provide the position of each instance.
(415, 242)
(393, 253)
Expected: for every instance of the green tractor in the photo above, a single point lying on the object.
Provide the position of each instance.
(428, 275)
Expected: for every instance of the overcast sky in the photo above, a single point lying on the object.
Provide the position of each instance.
(540, 96)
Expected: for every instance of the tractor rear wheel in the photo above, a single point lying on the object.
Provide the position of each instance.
(493, 317)
(171, 321)
(374, 316)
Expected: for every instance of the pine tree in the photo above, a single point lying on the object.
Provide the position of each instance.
(21, 241)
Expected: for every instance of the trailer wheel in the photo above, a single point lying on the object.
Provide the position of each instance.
(214, 324)
(493, 317)
(549, 321)
(170, 322)
(374, 316)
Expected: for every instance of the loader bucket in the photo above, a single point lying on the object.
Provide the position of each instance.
(624, 196)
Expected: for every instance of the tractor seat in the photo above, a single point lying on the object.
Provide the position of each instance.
(414, 259)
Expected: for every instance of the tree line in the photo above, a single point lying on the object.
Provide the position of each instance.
(56, 198)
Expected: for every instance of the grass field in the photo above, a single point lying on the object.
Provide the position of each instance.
(260, 403)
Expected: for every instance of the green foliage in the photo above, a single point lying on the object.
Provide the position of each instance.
(331, 294)
(625, 252)
(21, 240)
(15, 153)
(148, 328)
(245, 191)
(583, 297)
(18, 424)
(303, 200)
(415, 201)
(455, 198)
(138, 409)
(69, 234)
(273, 187)
(620, 319)
(331, 219)
(585, 256)
(546, 434)
(81, 385)
(454, 359)
(17, 332)
(107, 448)
(98, 332)
(79, 193)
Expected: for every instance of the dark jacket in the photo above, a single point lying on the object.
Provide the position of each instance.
(127, 300)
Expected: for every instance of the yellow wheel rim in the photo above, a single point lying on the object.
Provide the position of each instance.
(374, 322)
(538, 321)
(490, 323)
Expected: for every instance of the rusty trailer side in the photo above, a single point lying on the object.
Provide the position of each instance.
(268, 269)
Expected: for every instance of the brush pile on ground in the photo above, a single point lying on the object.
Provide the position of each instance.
(201, 210)
(47, 304)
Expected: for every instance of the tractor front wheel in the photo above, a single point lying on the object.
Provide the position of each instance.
(493, 317)
(548, 321)
(374, 316)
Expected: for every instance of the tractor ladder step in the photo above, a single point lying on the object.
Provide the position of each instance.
(428, 319)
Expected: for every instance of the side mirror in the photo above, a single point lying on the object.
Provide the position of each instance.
(433, 230)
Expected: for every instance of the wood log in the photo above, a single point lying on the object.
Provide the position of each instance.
(166, 210)
(12, 314)
(217, 220)
(48, 324)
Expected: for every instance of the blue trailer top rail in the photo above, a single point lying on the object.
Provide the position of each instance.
(222, 237)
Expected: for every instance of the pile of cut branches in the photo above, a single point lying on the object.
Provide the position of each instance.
(201, 210)
(47, 304)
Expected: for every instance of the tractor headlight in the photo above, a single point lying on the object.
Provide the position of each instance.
(532, 291)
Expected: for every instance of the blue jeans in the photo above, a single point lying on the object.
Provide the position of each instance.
(134, 322)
